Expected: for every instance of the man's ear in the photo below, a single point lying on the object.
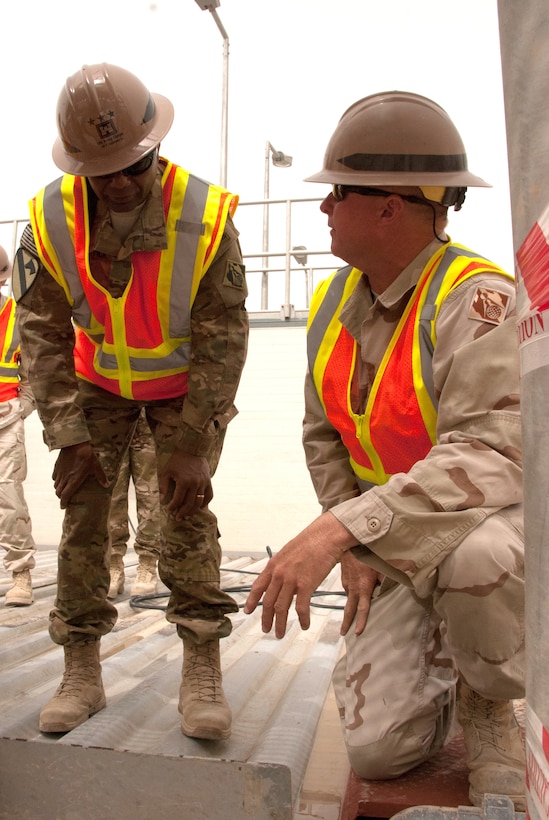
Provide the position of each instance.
(392, 207)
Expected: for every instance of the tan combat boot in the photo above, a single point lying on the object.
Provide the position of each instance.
(20, 594)
(495, 750)
(202, 704)
(80, 694)
(146, 580)
(116, 587)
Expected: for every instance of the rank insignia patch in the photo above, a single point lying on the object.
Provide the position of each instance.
(489, 306)
(234, 275)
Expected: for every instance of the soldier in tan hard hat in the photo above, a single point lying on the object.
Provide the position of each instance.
(412, 439)
(16, 403)
(136, 262)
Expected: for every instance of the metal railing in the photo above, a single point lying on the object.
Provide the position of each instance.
(280, 281)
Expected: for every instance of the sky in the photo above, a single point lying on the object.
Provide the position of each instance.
(294, 68)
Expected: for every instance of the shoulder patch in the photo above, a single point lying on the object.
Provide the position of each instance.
(234, 275)
(489, 306)
(25, 268)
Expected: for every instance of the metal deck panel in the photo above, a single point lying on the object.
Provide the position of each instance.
(131, 757)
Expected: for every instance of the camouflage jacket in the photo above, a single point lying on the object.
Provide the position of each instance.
(219, 331)
(408, 525)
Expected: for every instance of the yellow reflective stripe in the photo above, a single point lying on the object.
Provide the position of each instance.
(167, 256)
(9, 309)
(47, 253)
(116, 308)
(332, 331)
(214, 219)
(317, 298)
(9, 367)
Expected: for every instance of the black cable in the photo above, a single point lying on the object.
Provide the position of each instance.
(147, 601)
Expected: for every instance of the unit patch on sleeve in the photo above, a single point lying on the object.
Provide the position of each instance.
(234, 275)
(489, 306)
(25, 268)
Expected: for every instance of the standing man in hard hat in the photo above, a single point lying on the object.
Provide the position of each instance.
(142, 259)
(412, 439)
(16, 403)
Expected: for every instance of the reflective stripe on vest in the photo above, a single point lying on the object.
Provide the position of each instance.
(398, 426)
(9, 352)
(137, 345)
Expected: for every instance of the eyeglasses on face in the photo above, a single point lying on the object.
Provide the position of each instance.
(136, 169)
(339, 192)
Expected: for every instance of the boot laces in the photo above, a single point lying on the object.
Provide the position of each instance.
(202, 675)
(22, 581)
(489, 719)
(146, 571)
(75, 676)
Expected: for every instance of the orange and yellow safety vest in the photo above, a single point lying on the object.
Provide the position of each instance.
(398, 426)
(137, 345)
(9, 352)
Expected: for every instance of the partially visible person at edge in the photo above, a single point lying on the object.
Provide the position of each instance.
(412, 439)
(16, 403)
(139, 465)
(142, 257)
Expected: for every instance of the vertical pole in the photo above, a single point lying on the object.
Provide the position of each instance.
(224, 101)
(287, 308)
(524, 38)
(265, 247)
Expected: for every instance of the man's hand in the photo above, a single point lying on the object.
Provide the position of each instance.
(298, 569)
(359, 582)
(74, 464)
(185, 484)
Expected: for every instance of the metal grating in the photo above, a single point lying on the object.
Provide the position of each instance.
(131, 759)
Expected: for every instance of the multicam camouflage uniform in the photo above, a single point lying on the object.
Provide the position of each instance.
(447, 535)
(139, 465)
(73, 410)
(16, 537)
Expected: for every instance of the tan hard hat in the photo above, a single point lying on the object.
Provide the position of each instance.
(397, 138)
(107, 120)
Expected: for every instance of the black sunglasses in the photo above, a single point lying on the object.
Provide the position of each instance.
(136, 169)
(339, 191)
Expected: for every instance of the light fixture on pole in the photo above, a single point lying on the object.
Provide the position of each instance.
(211, 6)
(299, 253)
(280, 160)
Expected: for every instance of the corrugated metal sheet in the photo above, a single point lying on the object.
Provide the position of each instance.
(131, 759)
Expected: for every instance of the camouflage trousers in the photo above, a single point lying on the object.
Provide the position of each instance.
(139, 465)
(15, 523)
(190, 552)
(395, 686)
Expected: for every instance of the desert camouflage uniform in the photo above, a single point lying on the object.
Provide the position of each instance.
(16, 537)
(139, 465)
(447, 535)
(73, 410)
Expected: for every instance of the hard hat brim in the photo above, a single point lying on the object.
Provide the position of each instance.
(161, 124)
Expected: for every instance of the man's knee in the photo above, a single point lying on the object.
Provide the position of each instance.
(387, 758)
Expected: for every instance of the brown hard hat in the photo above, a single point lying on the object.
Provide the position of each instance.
(397, 138)
(107, 120)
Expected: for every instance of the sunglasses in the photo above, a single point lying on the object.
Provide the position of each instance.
(136, 169)
(339, 192)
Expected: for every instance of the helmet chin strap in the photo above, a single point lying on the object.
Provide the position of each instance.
(435, 234)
